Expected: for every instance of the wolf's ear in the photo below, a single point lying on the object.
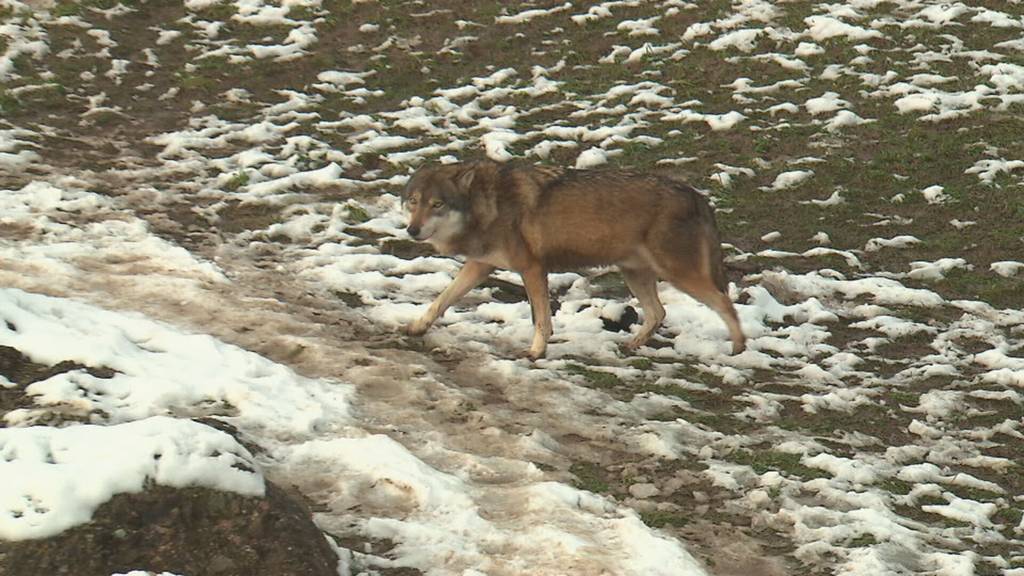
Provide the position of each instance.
(477, 182)
(464, 178)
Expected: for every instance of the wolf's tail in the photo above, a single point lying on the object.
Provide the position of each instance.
(706, 230)
(712, 244)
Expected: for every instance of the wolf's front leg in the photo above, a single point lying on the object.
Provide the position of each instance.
(535, 280)
(470, 276)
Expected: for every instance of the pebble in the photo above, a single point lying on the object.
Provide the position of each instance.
(645, 490)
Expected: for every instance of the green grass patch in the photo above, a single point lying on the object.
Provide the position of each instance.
(695, 374)
(895, 486)
(196, 82)
(212, 64)
(67, 9)
(862, 541)
(240, 179)
(107, 4)
(589, 477)
(8, 102)
(661, 519)
(217, 12)
(770, 460)
(987, 286)
(596, 378)
(355, 213)
(902, 397)
(1009, 516)
(641, 363)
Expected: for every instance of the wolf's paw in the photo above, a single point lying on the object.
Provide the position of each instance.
(739, 347)
(632, 346)
(417, 328)
(534, 355)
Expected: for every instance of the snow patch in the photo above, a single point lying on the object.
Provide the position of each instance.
(55, 478)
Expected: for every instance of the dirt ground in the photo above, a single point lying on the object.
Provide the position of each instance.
(198, 532)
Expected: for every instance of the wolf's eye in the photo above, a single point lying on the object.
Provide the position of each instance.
(436, 204)
(412, 201)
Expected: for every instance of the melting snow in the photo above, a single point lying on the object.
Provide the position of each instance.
(371, 442)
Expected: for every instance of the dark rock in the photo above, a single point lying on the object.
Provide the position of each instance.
(406, 249)
(628, 317)
(504, 291)
(193, 531)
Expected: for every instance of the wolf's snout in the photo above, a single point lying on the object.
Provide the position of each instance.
(413, 231)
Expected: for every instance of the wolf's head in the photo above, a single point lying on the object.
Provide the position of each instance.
(442, 201)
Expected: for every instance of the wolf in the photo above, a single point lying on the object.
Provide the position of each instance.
(534, 220)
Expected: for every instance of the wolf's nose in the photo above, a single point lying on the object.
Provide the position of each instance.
(413, 231)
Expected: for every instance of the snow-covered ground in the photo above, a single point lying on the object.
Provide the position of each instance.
(865, 455)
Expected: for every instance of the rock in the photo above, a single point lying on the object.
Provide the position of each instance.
(406, 248)
(645, 490)
(193, 531)
(670, 486)
(628, 318)
(221, 564)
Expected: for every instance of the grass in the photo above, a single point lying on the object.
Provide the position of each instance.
(355, 213)
(869, 164)
(8, 102)
(773, 461)
(984, 285)
(239, 180)
(596, 378)
(589, 477)
(213, 64)
(895, 486)
(217, 12)
(641, 363)
(67, 9)
(661, 519)
(886, 423)
(862, 541)
(195, 82)
(903, 398)
(696, 374)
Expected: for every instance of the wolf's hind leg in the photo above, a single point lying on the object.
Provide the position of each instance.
(686, 261)
(643, 283)
(470, 276)
(704, 291)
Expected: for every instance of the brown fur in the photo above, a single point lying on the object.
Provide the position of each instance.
(534, 220)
